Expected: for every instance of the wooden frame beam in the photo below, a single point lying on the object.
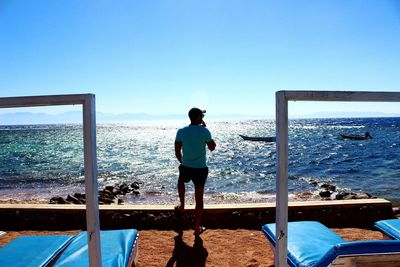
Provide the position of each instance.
(282, 98)
(90, 158)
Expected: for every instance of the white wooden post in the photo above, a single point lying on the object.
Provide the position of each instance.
(281, 179)
(90, 158)
(282, 98)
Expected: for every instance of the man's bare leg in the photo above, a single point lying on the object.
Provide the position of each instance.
(181, 192)
(199, 192)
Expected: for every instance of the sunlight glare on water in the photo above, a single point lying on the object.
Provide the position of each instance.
(44, 160)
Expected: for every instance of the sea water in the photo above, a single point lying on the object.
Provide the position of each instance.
(41, 161)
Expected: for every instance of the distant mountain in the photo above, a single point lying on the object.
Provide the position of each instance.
(76, 117)
(108, 117)
(19, 118)
(349, 115)
(39, 118)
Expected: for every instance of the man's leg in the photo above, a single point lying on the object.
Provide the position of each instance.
(198, 194)
(181, 192)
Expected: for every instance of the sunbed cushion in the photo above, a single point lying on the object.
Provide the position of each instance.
(308, 241)
(313, 244)
(390, 227)
(116, 248)
(33, 250)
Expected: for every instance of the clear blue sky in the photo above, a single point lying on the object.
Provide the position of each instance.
(227, 56)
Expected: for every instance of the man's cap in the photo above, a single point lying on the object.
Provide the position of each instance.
(195, 112)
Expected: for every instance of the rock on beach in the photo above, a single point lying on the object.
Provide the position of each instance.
(108, 195)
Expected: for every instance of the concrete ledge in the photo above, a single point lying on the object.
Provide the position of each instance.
(335, 213)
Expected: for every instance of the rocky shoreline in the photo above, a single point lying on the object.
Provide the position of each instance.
(115, 195)
(108, 195)
(329, 192)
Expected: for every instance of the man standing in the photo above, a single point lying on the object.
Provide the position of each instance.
(190, 150)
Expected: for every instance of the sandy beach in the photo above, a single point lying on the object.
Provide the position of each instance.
(216, 247)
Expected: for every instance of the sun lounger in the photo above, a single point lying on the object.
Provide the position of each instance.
(312, 244)
(390, 228)
(34, 251)
(118, 248)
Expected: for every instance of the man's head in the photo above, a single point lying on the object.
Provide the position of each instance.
(196, 115)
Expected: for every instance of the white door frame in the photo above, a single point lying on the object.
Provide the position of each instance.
(90, 159)
(282, 98)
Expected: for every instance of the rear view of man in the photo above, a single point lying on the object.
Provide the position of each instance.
(190, 150)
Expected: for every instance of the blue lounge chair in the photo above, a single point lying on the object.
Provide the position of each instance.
(390, 228)
(35, 251)
(312, 244)
(118, 248)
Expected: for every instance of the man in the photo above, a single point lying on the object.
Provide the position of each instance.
(190, 150)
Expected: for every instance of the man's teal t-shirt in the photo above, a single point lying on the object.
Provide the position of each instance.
(194, 139)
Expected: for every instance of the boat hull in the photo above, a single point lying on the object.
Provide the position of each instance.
(262, 139)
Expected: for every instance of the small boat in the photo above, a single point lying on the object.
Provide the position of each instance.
(253, 138)
(356, 137)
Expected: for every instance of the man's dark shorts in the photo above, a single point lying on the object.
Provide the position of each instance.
(197, 175)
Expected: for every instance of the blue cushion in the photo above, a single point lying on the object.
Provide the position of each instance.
(308, 241)
(33, 250)
(116, 248)
(390, 227)
(313, 244)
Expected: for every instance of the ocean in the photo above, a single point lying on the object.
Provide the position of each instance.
(42, 161)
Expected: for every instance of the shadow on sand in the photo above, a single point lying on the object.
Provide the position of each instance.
(185, 255)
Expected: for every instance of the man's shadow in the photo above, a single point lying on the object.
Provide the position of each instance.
(185, 255)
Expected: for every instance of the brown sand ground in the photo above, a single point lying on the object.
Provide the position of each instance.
(214, 247)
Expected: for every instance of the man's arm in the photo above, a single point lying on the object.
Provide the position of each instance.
(211, 145)
(178, 151)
